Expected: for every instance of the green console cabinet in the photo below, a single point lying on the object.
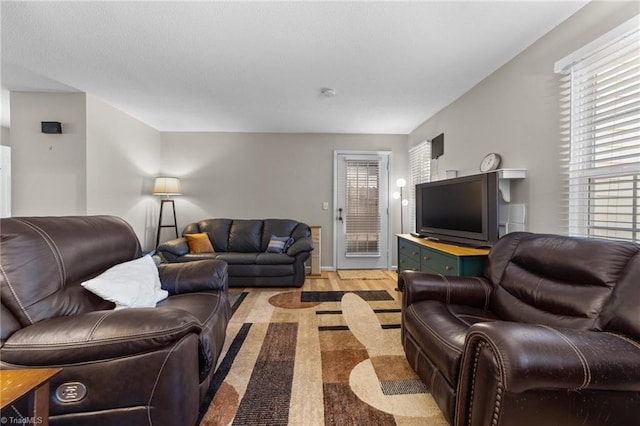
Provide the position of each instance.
(417, 254)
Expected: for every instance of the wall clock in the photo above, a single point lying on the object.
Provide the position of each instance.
(490, 162)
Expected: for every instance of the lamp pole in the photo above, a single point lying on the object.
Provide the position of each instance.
(401, 183)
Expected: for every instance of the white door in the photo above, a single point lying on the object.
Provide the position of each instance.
(362, 213)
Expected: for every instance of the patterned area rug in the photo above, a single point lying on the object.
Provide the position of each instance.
(370, 274)
(326, 354)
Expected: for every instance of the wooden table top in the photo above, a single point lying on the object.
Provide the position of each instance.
(447, 248)
(14, 384)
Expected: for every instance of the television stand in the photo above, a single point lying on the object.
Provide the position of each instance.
(418, 254)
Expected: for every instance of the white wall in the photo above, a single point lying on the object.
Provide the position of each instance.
(123, 157)
(48, 170)
(103, 162)
(516, 113)
(251, 176)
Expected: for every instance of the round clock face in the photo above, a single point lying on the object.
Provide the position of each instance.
(490, 162)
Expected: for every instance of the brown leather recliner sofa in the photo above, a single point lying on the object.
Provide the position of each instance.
(242, 243)
(140, 366)
(549, 336)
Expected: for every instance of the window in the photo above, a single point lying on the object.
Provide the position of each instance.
(363, 207)
(602, 106)
(420, 172)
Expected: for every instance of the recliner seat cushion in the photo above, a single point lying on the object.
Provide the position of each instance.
(442, 328)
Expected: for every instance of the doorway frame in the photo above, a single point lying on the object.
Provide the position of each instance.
(389, 155)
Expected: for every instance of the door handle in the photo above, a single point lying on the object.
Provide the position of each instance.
(340, 215)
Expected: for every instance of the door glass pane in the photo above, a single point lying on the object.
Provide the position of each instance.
(362, 208)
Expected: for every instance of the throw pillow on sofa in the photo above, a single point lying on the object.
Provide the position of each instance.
(279, 244)
(199, 243)
(133, 284)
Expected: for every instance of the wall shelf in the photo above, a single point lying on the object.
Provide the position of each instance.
(505, 176)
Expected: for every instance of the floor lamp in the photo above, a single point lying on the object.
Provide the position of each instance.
(167, 186)
(401, 183)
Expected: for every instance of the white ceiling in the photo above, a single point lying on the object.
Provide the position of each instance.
(259, 66)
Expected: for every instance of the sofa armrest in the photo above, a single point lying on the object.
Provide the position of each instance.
(304, 244)
(172, 249)
(97, 335)
(191, 277)
(528, 357)
(418, 286)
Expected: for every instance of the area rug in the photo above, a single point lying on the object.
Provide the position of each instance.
(326, 354)
(369, 274)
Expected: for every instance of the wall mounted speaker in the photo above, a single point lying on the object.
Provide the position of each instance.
(51, 127)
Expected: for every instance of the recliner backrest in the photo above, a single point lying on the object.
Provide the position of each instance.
(621, 314)
(43, 261)
(555, 280)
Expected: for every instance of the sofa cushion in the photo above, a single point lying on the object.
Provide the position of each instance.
(133, 284)
(255, 270)
(217, 229)
(238, 258)
(245, 236)
(274, 259)
(199, 243)
(442, 328)
(278, 227)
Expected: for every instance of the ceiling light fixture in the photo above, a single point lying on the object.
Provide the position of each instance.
(327, 92)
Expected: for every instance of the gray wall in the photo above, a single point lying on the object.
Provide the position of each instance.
(48, 170)
(516, 113)
(250, 175)
(123, 157)
(103, 162)
(4, 136)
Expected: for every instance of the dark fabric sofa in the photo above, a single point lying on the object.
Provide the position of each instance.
(549, 336)
(139, 366)
(243, 244)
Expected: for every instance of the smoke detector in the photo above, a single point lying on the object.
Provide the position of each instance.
(327, 92)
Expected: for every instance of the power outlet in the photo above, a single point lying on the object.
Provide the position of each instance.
(325, 205)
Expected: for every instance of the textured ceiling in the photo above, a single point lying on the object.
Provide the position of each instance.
(259, 66)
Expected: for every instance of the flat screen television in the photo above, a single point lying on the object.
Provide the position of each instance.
(462, 210)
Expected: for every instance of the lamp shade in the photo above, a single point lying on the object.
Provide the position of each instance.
(167, 186)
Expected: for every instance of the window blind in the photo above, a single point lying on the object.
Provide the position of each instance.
(419, 172)
(601, 107)
(362, 208)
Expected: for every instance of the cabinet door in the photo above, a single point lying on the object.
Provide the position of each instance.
(408, 256)
(439, 262)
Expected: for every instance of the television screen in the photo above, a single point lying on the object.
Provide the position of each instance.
(456, 206)
(461, 210)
